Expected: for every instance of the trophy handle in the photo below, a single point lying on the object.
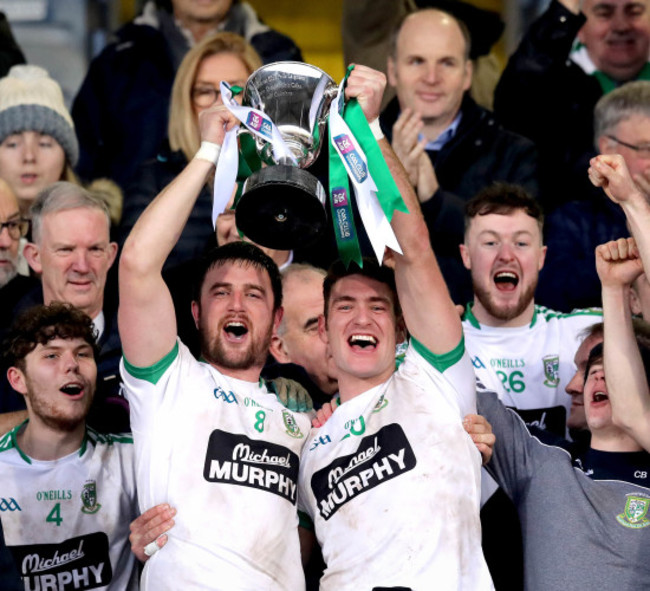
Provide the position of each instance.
(244, 130)
(264, 149)
(331, 92)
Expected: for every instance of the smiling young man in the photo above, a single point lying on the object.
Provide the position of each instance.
(69, 492)
(522, 351)
(391, 481)
(584, 512)
(211, 439)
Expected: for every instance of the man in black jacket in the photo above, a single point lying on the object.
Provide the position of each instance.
(450, 146)
(551, 84)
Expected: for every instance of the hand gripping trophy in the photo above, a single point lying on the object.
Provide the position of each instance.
(286, 106)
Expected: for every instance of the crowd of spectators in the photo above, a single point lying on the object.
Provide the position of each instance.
(515, 313)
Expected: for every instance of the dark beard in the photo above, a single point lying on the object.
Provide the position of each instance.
(485, 297)
(216, 352)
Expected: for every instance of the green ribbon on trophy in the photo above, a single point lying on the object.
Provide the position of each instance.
(355, 154)
(345, 230)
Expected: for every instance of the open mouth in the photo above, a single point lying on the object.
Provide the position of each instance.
(600, 396)
(236, 329)
(506, 280)
(72, 389)
(362, 341)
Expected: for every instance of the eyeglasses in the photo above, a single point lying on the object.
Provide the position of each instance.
(643, 150)
(16, 228)
(205, 96)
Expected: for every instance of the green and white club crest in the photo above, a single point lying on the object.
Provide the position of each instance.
(635, 514)
(89, 498)
(292, 427)
(551, 370)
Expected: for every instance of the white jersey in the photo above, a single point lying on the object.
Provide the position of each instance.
(391, 482)
(66, 521)
(226, 454)
(529, 366)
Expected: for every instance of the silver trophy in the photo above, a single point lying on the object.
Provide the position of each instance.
(283, 206)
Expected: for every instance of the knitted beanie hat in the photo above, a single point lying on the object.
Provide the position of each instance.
(32, 101)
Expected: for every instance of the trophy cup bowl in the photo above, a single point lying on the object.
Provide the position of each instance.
(282, 205)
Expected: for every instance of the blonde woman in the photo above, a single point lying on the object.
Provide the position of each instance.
(223, 56)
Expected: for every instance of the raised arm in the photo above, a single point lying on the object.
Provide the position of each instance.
(429, 312)
(147, 320)
(611, 173)
(618, 265)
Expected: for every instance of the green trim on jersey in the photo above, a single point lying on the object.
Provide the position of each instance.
(154, 372)
(440, 362)
(538, 310)
(549, 314)
(9, 441)
(305, 521)
(469, 316)
(107, 438)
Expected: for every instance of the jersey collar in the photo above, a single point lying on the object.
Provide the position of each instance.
(469, 316)
(13, 435)
(608, 465)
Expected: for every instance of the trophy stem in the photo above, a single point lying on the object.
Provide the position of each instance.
(282, 207)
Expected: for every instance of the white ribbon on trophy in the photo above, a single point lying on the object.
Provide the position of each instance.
(374, 220)
(259, 124)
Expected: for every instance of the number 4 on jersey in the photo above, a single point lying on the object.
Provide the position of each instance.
(55, 515)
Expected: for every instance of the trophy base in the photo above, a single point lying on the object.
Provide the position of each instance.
(281, 207)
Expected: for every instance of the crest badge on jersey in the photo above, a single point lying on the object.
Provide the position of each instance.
(551, 370)
(89, 498)
(293, 429)
(635, 514)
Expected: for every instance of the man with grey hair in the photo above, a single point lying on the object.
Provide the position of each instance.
(71, 248)
(72, 252)
(574, 230)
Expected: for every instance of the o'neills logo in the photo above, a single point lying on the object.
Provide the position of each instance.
(78, 563)
(379, 458)
(347, 150)
(236, 459)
